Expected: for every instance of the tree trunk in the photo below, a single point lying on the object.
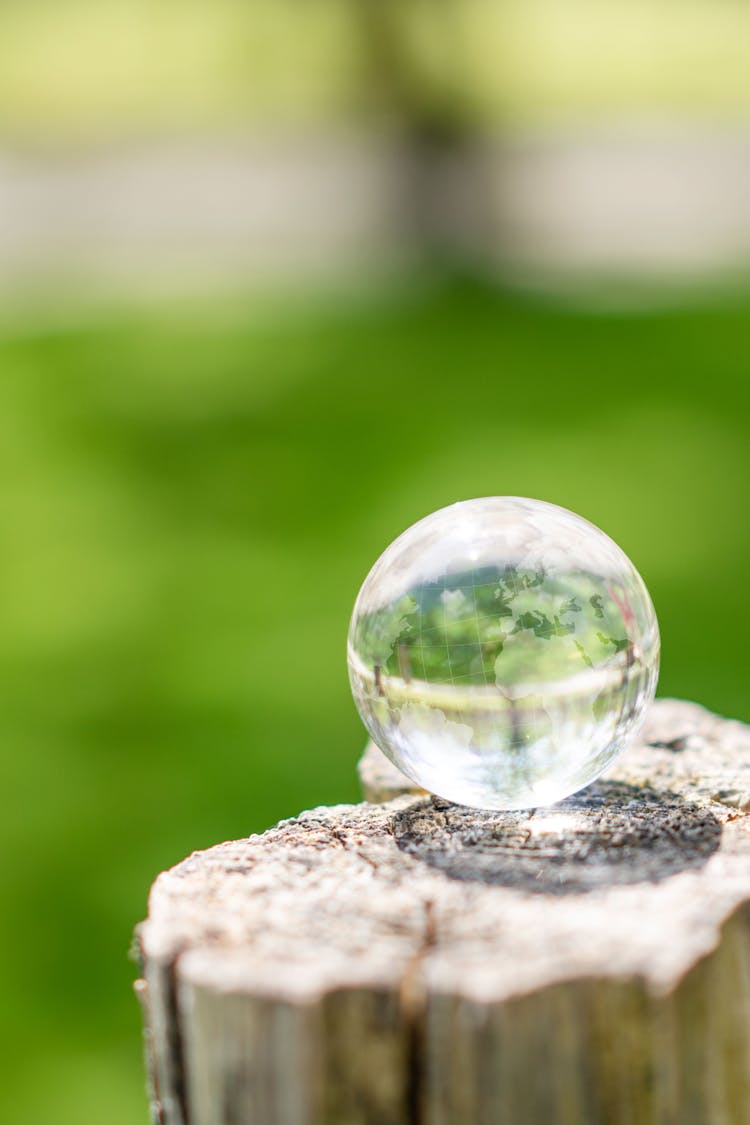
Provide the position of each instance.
(413, 961)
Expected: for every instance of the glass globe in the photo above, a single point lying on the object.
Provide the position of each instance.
(502, 651)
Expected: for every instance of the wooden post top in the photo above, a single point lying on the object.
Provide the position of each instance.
(461, 916)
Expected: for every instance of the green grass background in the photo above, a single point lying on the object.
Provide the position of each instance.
(189, 499)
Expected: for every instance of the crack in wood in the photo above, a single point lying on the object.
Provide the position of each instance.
(413, 999)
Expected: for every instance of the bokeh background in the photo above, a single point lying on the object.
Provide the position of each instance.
(277, 279)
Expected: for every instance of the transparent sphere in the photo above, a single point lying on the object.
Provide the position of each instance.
(502, 651)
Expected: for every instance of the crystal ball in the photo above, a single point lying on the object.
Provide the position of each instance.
(502, 652)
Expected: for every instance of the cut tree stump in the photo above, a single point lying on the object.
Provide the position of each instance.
(413, 961)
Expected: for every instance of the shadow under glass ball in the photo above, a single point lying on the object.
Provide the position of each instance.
(502, 652)
(614, 834)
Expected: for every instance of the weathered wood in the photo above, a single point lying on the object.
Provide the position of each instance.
(417, 962)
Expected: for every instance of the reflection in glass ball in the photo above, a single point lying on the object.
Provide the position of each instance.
(502, 651)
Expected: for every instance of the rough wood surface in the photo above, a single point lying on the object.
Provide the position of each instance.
(417, 962)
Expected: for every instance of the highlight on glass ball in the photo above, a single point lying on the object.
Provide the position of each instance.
(502, 652)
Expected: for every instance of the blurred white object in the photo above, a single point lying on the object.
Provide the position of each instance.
(657, 202)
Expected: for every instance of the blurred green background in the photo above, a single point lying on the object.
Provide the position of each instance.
(192, 488)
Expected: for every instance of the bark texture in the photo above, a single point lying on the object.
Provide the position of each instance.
(409, 962)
